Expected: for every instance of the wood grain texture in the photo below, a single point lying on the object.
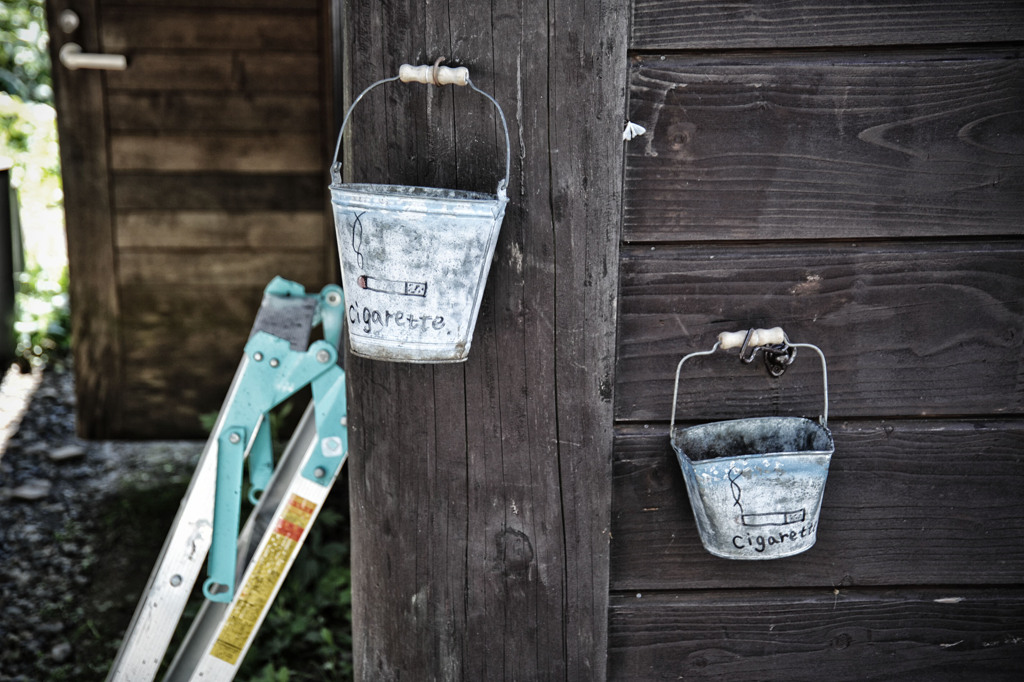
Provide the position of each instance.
(918, 502)
(132, 28)
(220, 268)
(218, 191)
(238, 153)
(172, 111)
(825, 146)
(183, 343)
(916, 635)
(218, 71)
(226, 4)
(691, 24)
(170, 71)
(284, 72)
(909, 329)
(263, 230)
(481, 492)
(91, 257)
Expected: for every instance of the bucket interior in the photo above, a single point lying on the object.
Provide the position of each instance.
(407, 191)
(752, 437)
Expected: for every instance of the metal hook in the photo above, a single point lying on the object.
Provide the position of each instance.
(778, 358)
(744, 358)
(433, 73)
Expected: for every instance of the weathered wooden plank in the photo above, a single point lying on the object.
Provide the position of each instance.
(221, 230)
(187, 319)
(127, 29)
(906, 503)
(811, 146)
(691, 24)
(480, 492)
(169, 111)
(191, 70)
(220, 268)
(219, 191)
(228, 4)
(183, 342)
(218, 71)
(93, 293)
(921, 635)
(239, 153)
(909, 329)
(281, 72)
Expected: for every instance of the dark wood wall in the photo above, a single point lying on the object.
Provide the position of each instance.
(210, 154)
(853, 172)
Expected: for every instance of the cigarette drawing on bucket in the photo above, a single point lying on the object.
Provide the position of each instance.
(763, 518)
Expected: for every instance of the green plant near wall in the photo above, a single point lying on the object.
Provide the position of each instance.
(307, 635)
(43, 328)
(24, 59)
(28, 135)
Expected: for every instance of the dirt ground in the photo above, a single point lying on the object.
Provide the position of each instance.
(81, 524)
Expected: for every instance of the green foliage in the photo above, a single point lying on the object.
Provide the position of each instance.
(24, 56)
(29, 135)
(43, 325)
(307, 635)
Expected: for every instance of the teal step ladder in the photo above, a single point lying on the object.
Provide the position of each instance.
(245, 569)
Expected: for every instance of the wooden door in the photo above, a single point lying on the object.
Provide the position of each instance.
(84, 164)
(192, 178)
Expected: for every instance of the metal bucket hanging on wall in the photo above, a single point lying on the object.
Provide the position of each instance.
(414, 260)
(756, 484)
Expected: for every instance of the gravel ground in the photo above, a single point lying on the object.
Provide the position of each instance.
(81, 524)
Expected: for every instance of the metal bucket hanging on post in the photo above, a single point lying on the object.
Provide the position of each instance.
(756, 484)
(414, 260)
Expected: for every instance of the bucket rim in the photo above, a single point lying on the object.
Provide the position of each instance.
(674, 436)
(758, 455)
(385, 190)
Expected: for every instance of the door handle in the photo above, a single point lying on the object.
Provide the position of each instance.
(72, 57)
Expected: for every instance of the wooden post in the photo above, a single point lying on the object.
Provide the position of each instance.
(481, 491)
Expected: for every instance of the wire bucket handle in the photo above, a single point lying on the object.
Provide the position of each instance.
(779, 353)
(428, 75)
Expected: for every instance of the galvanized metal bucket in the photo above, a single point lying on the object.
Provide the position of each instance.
(414, 260)
(756, 484)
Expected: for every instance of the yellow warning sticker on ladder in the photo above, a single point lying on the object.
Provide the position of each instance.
(258, 590)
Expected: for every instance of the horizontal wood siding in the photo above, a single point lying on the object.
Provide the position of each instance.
(696, 24)
(907, 502)
(218, 150)
(207, 191)
(262, 230)
(173, 394)
(799, 146)
(278, 152)
(173, 28)
(148, 112)
(909, 329)
(852, 172)
(217, 71)
(938, 635)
